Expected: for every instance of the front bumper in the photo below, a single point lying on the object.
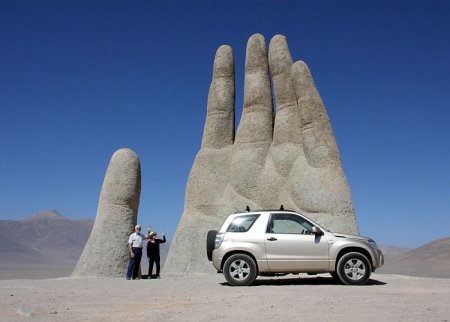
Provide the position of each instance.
(379, 260)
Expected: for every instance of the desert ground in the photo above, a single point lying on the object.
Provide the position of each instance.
(209, 298)
(34, 286)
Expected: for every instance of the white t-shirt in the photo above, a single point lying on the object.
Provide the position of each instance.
(136, 240)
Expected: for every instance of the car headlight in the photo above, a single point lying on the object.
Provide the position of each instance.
(219, 239)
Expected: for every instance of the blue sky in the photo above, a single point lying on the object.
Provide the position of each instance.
(81, 79)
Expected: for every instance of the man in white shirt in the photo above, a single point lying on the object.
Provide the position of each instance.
(135, 244)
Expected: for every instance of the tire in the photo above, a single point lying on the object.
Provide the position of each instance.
(354, 269)
(240, 270)
(210, 241)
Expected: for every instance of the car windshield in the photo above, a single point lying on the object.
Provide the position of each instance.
(242, 223)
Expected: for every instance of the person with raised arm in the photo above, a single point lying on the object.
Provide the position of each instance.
(153, 253)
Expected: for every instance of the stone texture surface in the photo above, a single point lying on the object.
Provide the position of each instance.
(288, 158)
(106, 253)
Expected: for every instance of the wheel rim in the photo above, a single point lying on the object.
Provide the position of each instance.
(239, 270)
(354, 269)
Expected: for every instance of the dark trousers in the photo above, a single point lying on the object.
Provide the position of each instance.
(134, 263)
(153, 260)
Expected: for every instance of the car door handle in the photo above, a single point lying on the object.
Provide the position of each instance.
(272, 239)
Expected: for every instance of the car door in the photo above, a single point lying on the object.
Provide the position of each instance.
(292, 247)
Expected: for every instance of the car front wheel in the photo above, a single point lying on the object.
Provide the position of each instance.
(240, 270)
(353, 269)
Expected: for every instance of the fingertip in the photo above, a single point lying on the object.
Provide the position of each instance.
(256, 54)
(125, 154)
(278, 36)
(278, 40)
(280, 58)
(257, 37)
(125, 161)
(303, 81)
(224, 62)
(300, 67)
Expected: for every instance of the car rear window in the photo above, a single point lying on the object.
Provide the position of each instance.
(242, 224)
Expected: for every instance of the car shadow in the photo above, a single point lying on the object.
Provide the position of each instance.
(303, 280)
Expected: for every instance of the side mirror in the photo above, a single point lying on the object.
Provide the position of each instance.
(316, 230)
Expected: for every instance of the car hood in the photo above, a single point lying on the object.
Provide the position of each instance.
(339, 235)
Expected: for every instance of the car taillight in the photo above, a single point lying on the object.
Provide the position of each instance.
(219, 239)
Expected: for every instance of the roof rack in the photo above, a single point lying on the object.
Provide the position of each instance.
(247, 209)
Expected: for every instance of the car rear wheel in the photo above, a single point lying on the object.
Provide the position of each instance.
(354, 269)
(240, 270)
(210, 241)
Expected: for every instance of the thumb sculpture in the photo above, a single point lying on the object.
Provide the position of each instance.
(289, 157)
(106, 253)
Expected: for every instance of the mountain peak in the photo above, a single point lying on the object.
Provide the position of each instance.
(50, 214)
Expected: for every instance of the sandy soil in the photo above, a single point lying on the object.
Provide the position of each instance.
(209, 298)
(10, 271)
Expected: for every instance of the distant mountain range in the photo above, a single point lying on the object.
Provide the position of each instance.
(45, 238)
(390, 251)
(49, 239)
(430, 260)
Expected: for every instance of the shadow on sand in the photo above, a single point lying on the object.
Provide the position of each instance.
(303, 280)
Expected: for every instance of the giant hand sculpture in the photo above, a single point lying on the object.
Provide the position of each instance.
(106, 252)
(289, 158)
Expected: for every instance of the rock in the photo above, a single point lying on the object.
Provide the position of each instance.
(106, 253)
(289, 158)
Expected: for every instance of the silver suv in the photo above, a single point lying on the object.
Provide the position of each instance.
(279, 242)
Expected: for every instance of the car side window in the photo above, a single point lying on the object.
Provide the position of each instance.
(289, 224)
(242, 224)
